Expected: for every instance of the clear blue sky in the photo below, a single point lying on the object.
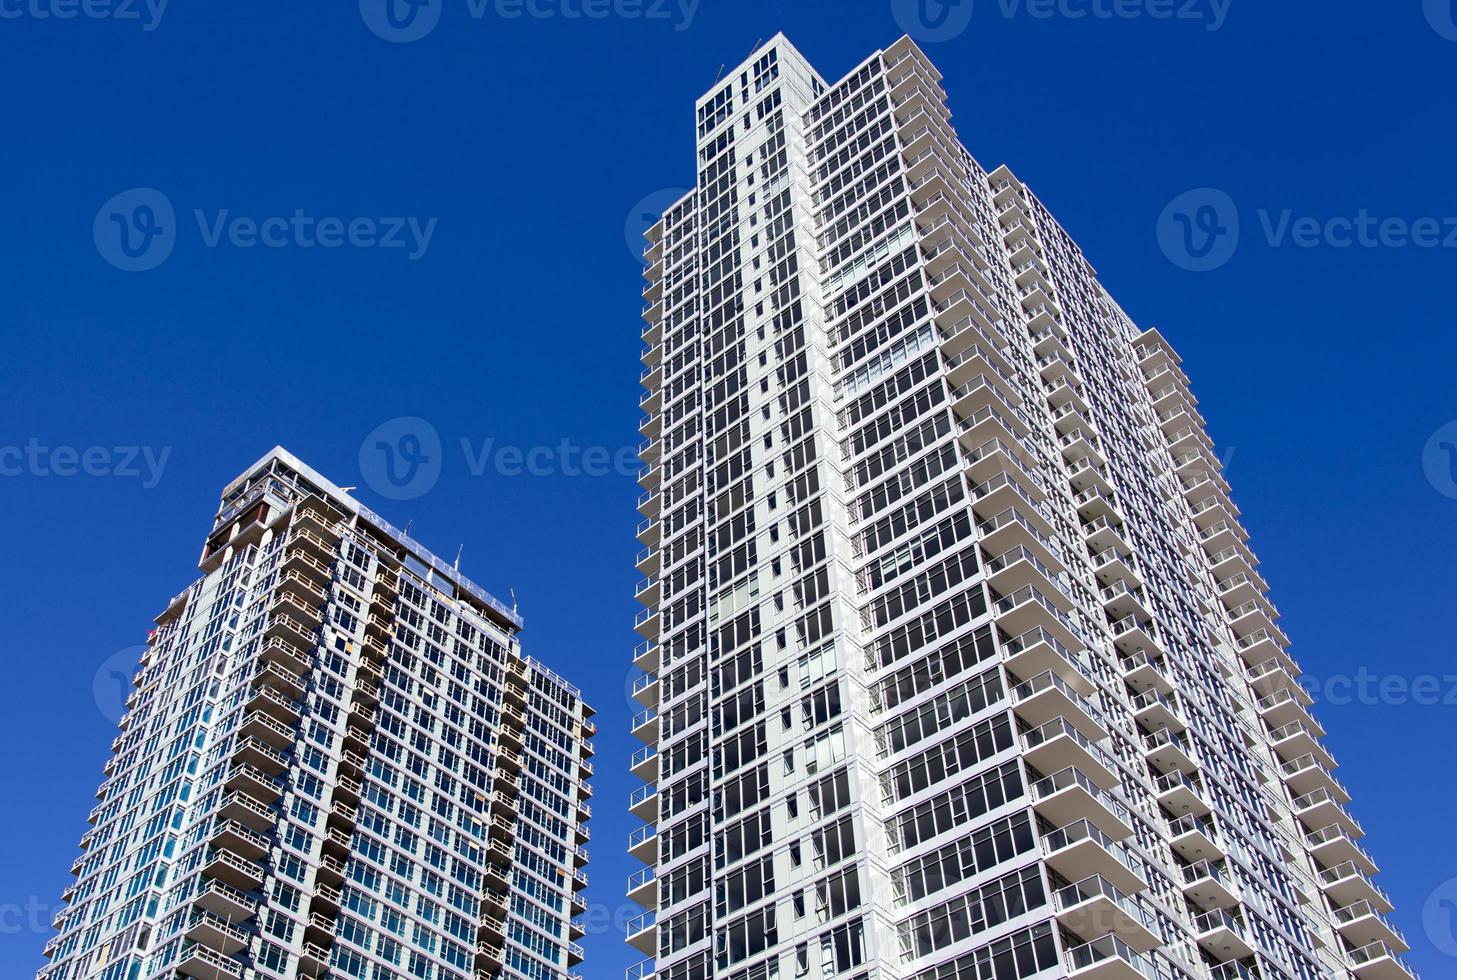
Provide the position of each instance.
(1324, 370)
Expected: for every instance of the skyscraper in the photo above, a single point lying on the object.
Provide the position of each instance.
(957, 663)
(335, 762)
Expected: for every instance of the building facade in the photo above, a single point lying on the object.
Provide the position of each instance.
(956, 660)
(335, 762)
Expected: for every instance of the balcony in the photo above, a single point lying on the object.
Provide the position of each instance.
(972, 350)
(1347, 884)
(1145, 671)
(1028, 609)
(1109, 958)
(1079, 443)
(290, 621)
(229, 868)
(254, 782)
(642, 933)
(208, 964)
(642, 888)
(1038, 652)
(1085, 474)
(1093, 907)
(1044, 320)
(1154, 710)
(270, 702)
(642, 844)
(233, 836)
(645, 657)
(1111, 564)
(1004, 492)
(1362, 924)
(1021, 567)
(1322, 809)
(1208, 885)
(645, 726)
(1080, 850)
(260, 755)
(1011, 528)
(1016, 231)
(1123, 601)
(327, 895)
(1263, 645)
(1225, 534)
(1223, 935)
(646, 690)
(244, 809)
(1094, 502)
(279, 678)
(333, 869)
(1059, 745)
(338, 842)
(224, 901)
(648, 623)
(1195, 838)
(995, 457)
(1181, 794)
(643, 803)
(1169, 751)
(1283, 707)
(650, 532)
(1275, 675)
(1379, 961)
(988, 425)
(1047, 697)
(644, 763)
(1242, 587)
(1070, 795)
(313, 961)
(1333, 846)
(1295, 740)
(277, 650)
(1132, 634)
(651, 400)
(1255, 615)
(215, 932)
(313, 543)
(1306, 774)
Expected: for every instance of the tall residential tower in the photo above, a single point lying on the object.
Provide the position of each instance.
(335, 762)
(957, 661)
